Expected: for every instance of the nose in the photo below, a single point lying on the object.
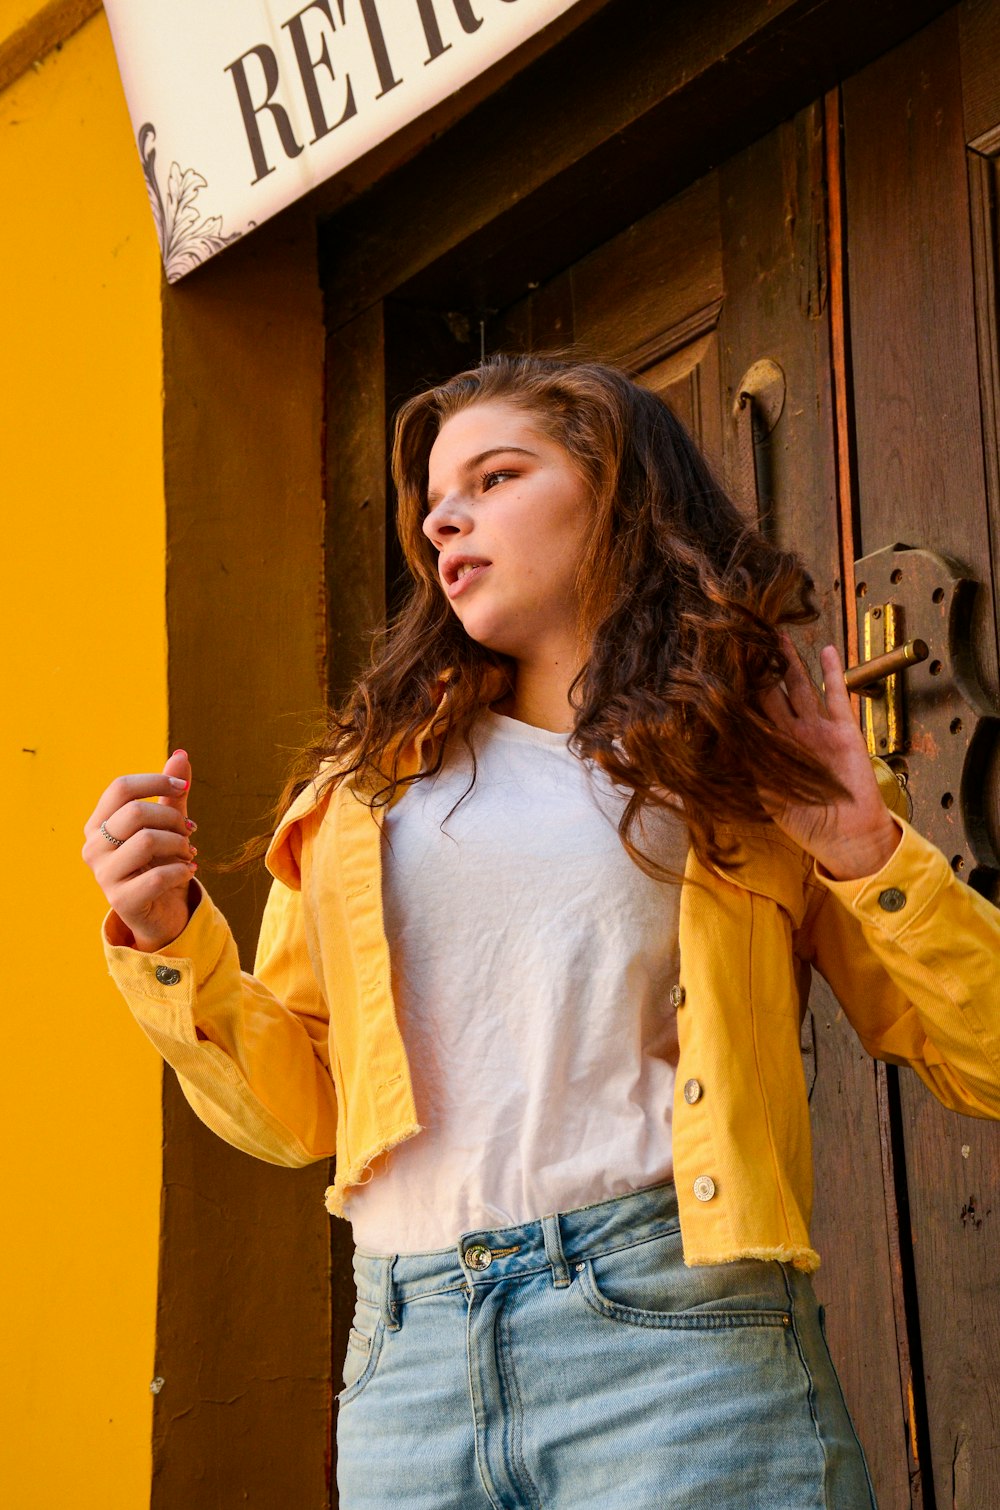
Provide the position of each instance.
(446, 520)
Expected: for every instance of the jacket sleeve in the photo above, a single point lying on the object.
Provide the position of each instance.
(912, 954)
(251, 1052)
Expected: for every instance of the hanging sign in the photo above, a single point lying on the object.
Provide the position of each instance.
(241, 106)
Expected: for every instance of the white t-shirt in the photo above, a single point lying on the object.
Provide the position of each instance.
(531, 967)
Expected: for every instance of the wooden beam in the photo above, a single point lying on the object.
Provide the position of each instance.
(243, 1323)
(630, 108)
(49, 27)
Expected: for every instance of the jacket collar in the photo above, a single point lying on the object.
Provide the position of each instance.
(765, 861)
(281, 857)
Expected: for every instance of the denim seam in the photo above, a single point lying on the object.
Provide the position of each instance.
(377, 1342)
(678, 1321)
(653, 1237)
(811, 1392)
(478, 1417)
(402, 1299)
(508, 1376)
(572, 1259)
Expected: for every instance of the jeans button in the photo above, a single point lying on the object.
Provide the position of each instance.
(704, 1187)
(692, 1091)
(478, 1256)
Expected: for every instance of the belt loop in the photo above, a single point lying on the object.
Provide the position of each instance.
(390, 1309)
(554, 1251)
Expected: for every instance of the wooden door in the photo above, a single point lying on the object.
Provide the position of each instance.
(734, 271)
(921, 144)
(855, 246)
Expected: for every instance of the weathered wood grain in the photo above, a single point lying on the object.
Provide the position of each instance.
(355, 549)
(921, 479)
(637, 103)
(775, 242)
(243, 1319)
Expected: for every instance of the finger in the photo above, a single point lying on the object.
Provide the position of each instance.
(838, 699)
(774, 705)
(137, 815)
(141, 890)
(178, 767)
(149, 848)
(126, 788)
(803, 692)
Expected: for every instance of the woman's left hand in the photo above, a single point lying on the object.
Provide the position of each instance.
(851, 836)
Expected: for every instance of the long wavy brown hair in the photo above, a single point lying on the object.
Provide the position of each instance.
(680, 602)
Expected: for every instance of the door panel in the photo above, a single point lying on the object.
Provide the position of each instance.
(732, 271)
(923, 331)
(631, 295)
(887, 431)
(913, 317)
(690, 380)
(778, 306)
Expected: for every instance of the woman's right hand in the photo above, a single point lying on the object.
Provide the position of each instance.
(146, 878)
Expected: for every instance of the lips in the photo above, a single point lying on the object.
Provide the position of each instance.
(454, 583)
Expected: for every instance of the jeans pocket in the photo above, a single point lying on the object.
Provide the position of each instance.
(364, 1347)
(649, 1285)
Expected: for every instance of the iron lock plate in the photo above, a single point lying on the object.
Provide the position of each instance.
(931, 722)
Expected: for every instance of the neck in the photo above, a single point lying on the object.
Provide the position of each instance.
(541, 696)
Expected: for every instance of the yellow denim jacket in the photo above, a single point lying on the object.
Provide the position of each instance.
(303, 1059)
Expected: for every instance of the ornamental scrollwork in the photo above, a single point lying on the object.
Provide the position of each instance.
(185, 239)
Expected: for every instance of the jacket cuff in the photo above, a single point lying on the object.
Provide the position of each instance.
(177, 971)
(894, 897)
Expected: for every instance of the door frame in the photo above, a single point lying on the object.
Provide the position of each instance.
(619, 116)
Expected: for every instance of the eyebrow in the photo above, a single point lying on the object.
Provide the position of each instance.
(477, 461)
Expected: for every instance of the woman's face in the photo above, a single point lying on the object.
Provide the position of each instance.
(508, 513)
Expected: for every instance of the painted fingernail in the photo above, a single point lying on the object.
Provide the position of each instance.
(192, 850)
(191, 825)
(192, 865)
(178, 784)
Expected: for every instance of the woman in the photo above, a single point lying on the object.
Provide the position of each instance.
(564, 1091)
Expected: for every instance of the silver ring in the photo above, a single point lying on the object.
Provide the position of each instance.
(111, 838)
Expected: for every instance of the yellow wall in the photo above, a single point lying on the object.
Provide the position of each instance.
(82, 630)
(16, 13)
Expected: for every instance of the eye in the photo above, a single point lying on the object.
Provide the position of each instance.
(490, 479)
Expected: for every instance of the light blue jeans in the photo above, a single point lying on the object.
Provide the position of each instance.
(574, 1362)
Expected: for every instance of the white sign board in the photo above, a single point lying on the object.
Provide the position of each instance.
(241, 106)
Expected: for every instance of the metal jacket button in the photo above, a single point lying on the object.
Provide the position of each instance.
(892, 899)
(677, 995)
(692, 1091)
(166, 976)
(704, 1187)
(478, 1256)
